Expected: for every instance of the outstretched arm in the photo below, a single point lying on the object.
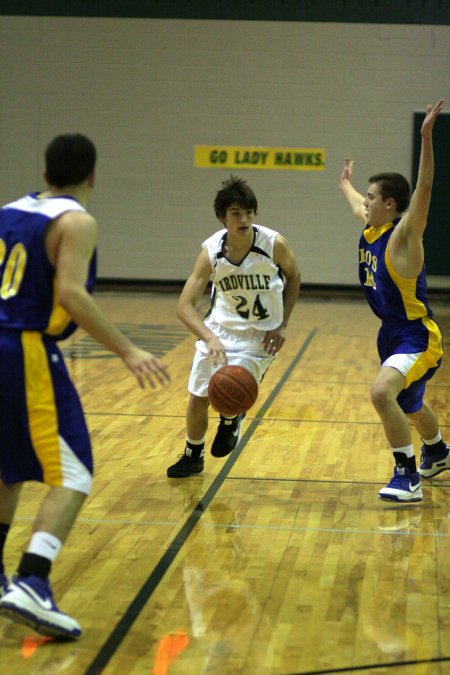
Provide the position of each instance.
(354, 198)
(77, 238)
(414, 221)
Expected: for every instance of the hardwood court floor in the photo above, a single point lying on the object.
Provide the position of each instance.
(279, 559)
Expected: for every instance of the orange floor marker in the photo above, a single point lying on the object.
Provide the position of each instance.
(170, 646)
(30, 644)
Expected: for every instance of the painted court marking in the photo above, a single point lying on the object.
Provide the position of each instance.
(124, 625)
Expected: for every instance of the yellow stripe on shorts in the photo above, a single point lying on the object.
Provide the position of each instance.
(42, 417)
(429, 358)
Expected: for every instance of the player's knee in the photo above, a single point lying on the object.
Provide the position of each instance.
(380, 395)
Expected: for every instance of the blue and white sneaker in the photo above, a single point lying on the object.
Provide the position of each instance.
(404, 486)
(434, 464)
(29, 601)
(3, 585)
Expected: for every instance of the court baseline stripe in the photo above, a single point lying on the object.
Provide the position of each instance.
(372, 666)
(121, 629)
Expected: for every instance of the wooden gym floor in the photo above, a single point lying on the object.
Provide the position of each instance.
(279, 559)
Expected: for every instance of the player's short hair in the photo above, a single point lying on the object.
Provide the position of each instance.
(394, 186)
(69, 159)
(234, 191)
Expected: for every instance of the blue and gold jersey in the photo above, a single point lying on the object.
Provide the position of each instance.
(392, 298)
(407, 326)
(28, 289)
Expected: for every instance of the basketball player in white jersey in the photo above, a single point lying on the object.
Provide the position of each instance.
(255, 285)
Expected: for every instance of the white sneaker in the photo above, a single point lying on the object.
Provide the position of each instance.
(404, 486)
(29, 601)
(433, 464)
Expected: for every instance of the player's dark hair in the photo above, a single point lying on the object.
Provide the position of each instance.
(234, 191)
(394, 186)
(69, 159)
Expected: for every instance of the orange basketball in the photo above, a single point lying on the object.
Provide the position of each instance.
(232, 390)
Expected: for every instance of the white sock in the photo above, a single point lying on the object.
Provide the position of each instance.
(407, 450)
(196, 442)
(434, 440)
(45, 544)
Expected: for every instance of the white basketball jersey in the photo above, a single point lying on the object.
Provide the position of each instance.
(248, 295)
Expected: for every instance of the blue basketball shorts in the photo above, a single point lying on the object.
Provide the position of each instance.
(43, 433)
(415, 349)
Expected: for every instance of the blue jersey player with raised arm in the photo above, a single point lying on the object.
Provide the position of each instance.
(392, 275)
(47, 271)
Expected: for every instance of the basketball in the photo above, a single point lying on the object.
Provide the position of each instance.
(232, 390)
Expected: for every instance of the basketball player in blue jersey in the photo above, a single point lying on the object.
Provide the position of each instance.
(392, 275)
(255, 285)
(47, 271)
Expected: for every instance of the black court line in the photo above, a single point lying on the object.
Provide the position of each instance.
(372, 666)
(124, 625)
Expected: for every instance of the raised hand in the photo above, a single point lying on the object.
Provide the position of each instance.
(347, 170)
(430, 116)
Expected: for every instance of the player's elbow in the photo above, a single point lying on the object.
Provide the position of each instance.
(297, 279)
(294, 281)
(68, 296)
(181, 310)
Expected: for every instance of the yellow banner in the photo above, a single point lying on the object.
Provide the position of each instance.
(256, 157)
